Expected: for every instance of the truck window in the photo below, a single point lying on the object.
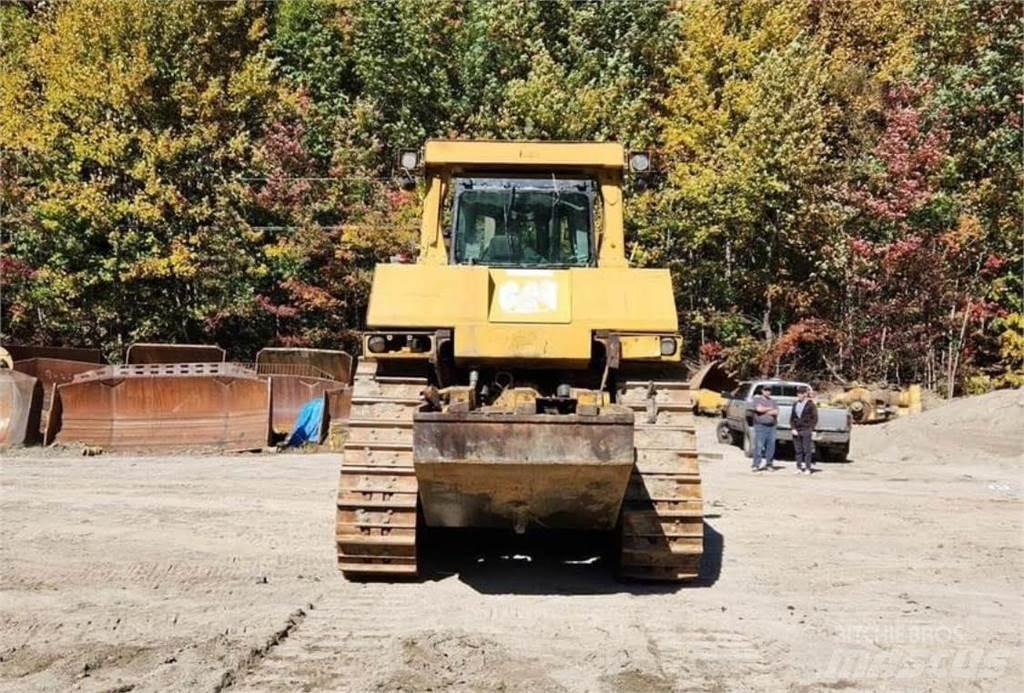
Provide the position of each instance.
(523, 222)
(779, 389)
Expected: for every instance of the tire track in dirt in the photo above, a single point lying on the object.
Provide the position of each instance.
(256, 654)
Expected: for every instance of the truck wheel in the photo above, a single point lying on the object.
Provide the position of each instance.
(748, 442)
(724, 433)
(839, 453)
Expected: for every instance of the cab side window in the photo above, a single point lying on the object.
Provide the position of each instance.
(742, 391)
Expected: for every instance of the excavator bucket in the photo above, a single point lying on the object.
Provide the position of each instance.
(52, 372)
(302, 375)
(21, 398)
(162, 406)
(174, 353)
(707, 386)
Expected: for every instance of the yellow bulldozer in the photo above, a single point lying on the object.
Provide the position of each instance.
(520, 374)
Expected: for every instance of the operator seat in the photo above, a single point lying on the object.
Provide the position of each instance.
(498, 250)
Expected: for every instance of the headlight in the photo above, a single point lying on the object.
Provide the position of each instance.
(419, 344)
(668, 346)
(377, 344)
(639, 162)
(409, 159)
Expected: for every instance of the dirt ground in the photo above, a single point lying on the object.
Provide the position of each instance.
(901, 570)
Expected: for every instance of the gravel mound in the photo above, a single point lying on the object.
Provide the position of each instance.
(986, 425)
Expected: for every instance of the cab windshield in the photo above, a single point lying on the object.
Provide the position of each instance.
(523, 222)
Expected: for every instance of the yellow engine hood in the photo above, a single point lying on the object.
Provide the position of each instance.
(500, 314)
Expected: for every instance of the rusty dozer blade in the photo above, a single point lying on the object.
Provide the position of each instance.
(174, 353)
(515, 470)
(302, 375)
(21, 399)
(51, 372)
(161, 406)
(24, 352)
(323, 363)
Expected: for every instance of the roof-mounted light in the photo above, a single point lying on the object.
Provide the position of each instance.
(409, 159)
(639, 162)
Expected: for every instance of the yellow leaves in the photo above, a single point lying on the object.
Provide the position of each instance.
(284, 251)
(1011, 340)
(250, 85)
(969, 229)
(181, 263)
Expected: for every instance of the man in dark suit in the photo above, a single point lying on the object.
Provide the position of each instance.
(803, 419)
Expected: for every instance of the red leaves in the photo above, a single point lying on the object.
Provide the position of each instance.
(12, 267)
(909, 154)
(993, 264)
(287, 188)
(804, 332)
(278, 311)
(308, 297)
(710, 351)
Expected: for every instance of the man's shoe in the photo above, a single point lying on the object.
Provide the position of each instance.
(799, 470)
(762, 467)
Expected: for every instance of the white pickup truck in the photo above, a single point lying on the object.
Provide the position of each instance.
(831, 436)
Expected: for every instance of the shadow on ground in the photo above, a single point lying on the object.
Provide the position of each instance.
(546, 562)
(784, 452)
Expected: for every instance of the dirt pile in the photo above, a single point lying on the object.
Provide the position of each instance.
(987, 425)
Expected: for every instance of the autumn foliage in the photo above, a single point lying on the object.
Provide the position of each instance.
(839, 188)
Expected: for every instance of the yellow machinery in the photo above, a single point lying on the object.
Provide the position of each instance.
(521, 374)
(879, 404)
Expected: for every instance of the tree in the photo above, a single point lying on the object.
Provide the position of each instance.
(125, 138)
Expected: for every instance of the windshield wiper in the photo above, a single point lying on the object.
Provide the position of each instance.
(513, 237)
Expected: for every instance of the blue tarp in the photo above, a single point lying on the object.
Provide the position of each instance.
(307, 426)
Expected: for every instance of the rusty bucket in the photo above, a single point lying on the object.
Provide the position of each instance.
(162, 406)
(299, 376)
(24, 352)
(173, 353)
(21, 399)
(51, 372)
(324, 363)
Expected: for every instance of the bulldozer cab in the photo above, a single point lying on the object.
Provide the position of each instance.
(519, 221)
(523, 204)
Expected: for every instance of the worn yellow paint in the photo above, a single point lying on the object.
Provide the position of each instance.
(561, 345)
(425, 296)
(540, 154)
(640, 346)
(462, 298)
(611, 237)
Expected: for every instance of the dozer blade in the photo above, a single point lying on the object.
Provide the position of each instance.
(513, 471)
(292, 392)
(24, 352)
(163, 406)
(173, 353)
(302, 375)
(51, 372)
(322, 363)
(21, 399)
